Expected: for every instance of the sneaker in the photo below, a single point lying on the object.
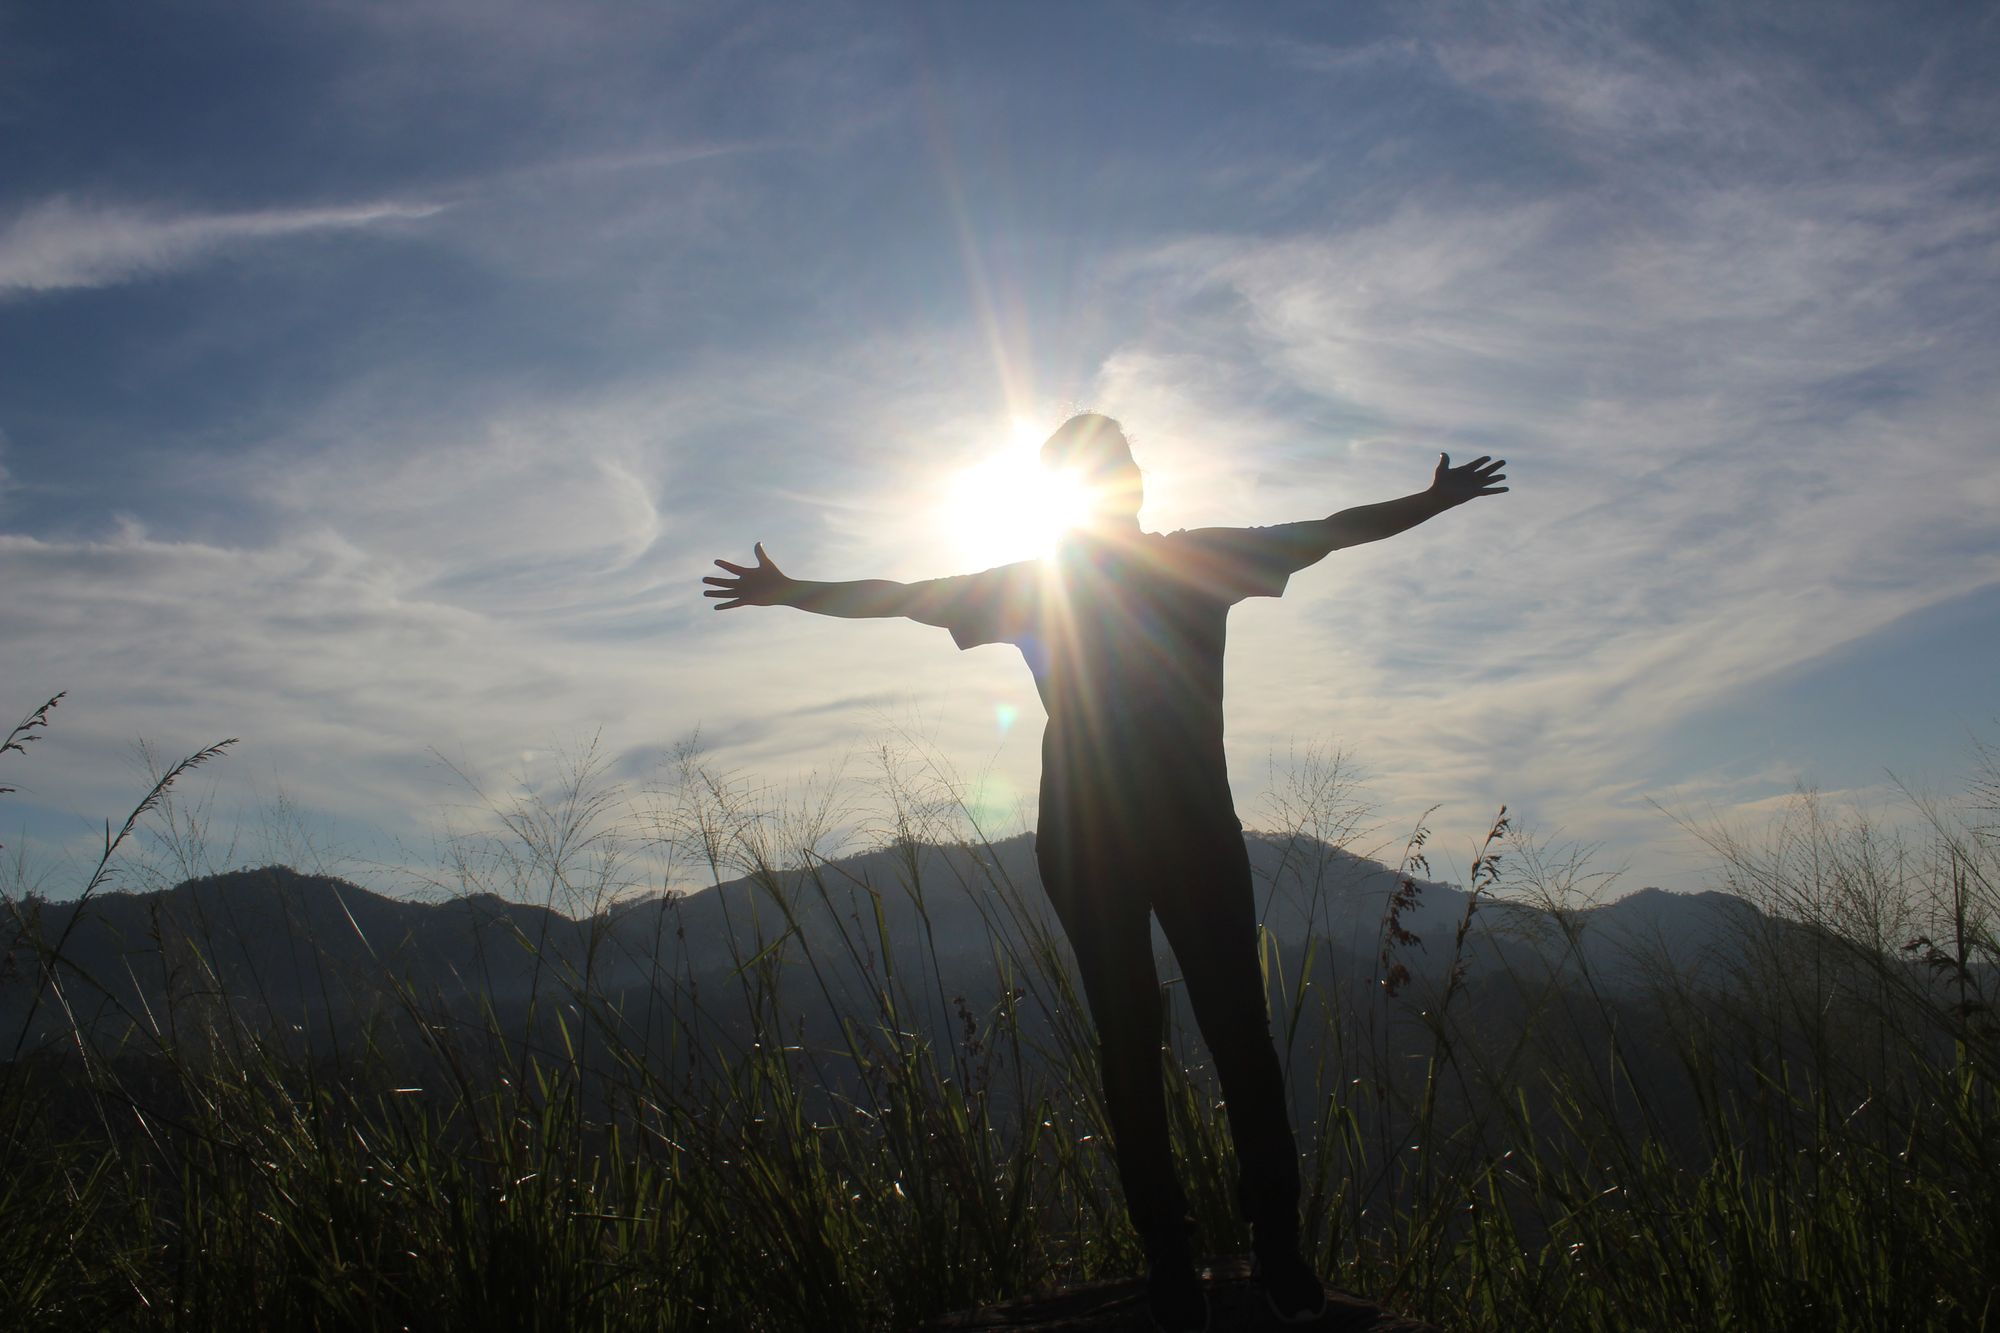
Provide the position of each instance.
(1175, 1297)
(1293, 1291)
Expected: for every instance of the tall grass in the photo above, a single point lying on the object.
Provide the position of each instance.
(835, 1129)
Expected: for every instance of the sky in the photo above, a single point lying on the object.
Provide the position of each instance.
(378, 379)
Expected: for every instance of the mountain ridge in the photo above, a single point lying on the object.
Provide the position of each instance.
(304, 947)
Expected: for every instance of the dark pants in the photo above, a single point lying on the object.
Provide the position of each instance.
(1198, 882)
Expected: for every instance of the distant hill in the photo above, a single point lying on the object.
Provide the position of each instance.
(285, 949)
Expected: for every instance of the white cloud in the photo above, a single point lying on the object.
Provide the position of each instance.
(59, 243)
(518, 577)
(1747, 411)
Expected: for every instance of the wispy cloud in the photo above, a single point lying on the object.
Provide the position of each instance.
(1732, 321)
(1741, 365)
(60, 243)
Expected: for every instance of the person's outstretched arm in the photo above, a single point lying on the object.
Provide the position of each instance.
(1450, 487)
(764, 584)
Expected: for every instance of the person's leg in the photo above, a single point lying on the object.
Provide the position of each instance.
(1109, 926)
(1207, 908)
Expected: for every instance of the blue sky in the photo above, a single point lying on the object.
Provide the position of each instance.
(377, 380)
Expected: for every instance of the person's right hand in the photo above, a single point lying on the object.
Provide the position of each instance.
(762, 584)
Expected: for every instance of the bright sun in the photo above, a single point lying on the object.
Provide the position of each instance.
(1007, 506)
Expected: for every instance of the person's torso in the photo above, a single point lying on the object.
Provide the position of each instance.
(1128, 658)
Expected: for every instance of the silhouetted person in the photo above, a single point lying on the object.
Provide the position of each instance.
(1123, 630)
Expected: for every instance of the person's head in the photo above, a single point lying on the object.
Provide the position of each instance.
(1095, 449)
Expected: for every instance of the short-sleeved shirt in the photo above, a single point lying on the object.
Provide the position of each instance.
(1125, 639)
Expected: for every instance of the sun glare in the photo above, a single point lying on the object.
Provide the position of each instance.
(1008, 507)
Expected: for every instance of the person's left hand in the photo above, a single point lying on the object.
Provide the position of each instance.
(1455, 485)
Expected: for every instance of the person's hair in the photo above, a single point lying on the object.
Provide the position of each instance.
(1089, 441)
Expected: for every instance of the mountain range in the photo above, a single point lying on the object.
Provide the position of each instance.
(283, 948)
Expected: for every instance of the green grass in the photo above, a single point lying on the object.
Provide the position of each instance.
(862, 1149)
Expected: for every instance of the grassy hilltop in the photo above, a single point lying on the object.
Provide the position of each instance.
(855, 1092)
